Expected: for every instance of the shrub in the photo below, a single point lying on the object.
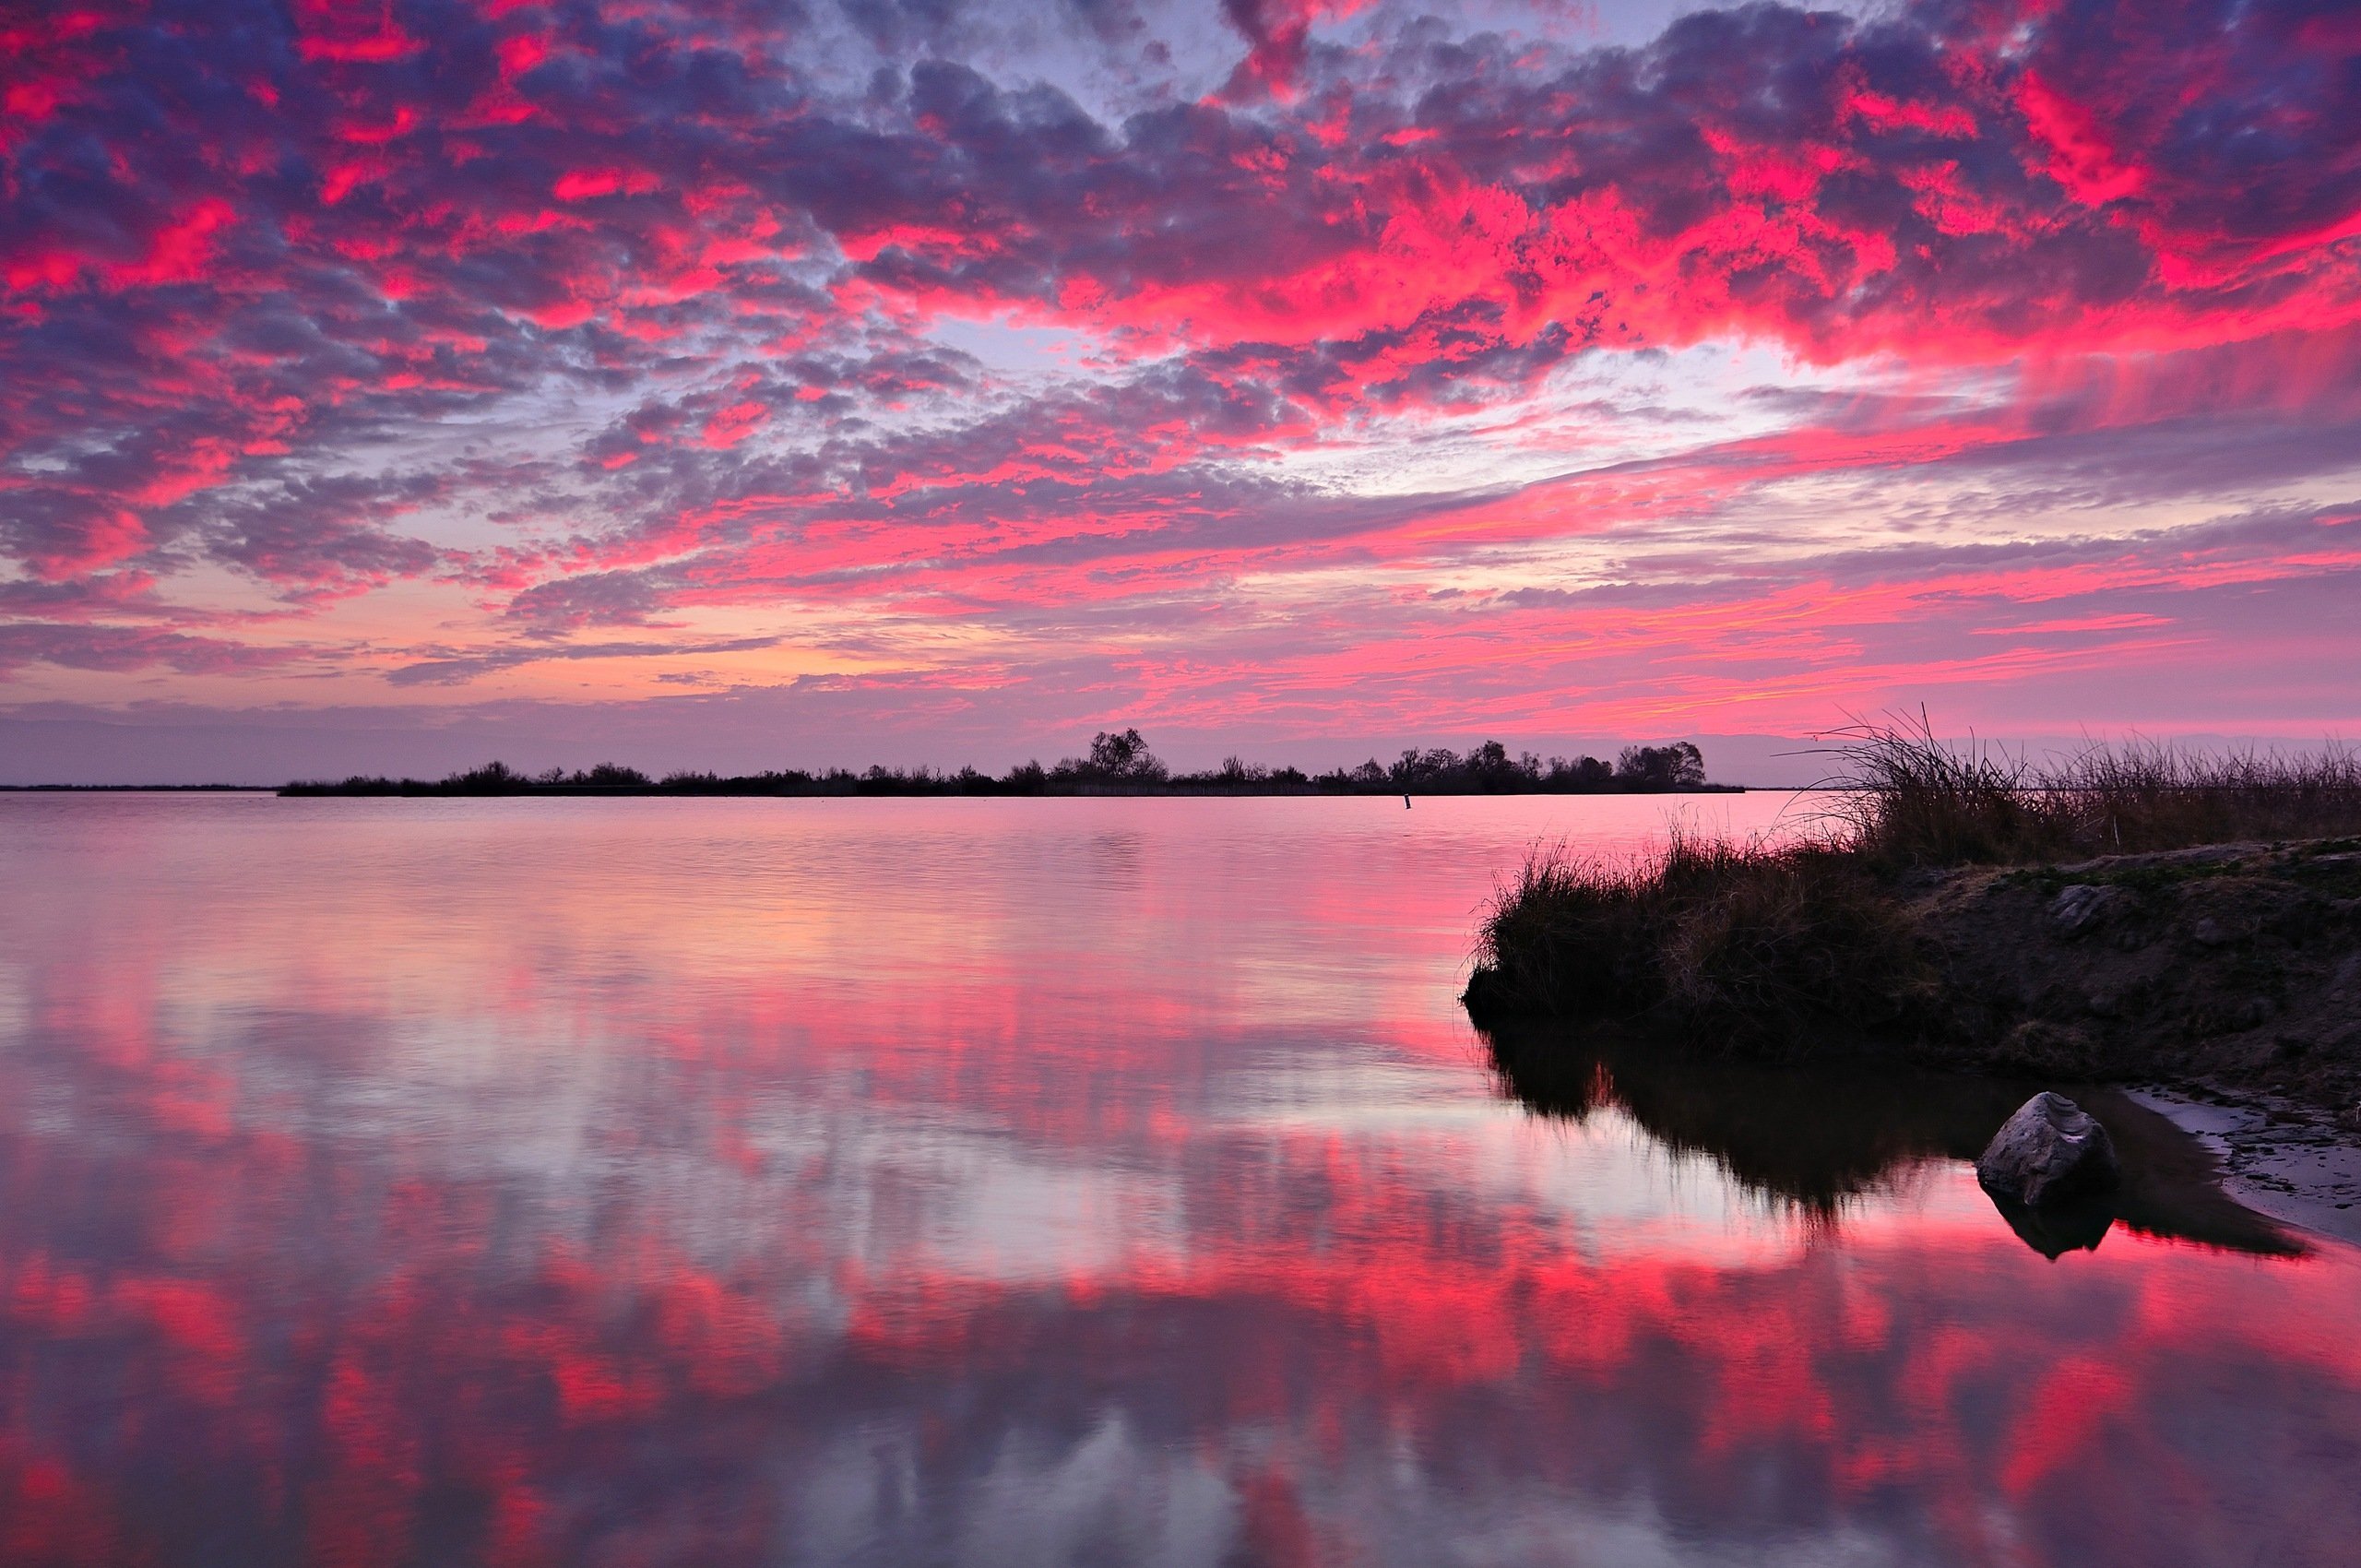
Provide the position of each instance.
(1748, 945)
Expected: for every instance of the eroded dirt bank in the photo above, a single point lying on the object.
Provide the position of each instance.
(2236, 966)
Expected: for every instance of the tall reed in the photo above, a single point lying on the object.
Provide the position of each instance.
(1903, 798)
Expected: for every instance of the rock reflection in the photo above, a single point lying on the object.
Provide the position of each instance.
(2077, 1227)
(1819, 1136)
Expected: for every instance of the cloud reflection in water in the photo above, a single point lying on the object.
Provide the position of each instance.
(880, 1181)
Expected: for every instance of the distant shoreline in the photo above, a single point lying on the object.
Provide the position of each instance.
(139, 788)
(423, 791)
(992, 789)
(1118, 763)
(419, 790)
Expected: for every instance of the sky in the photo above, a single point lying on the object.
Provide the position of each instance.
(747, 382)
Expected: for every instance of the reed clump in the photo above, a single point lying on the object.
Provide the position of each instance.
(1756, 947)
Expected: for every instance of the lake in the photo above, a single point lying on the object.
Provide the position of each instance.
(1028, 1183)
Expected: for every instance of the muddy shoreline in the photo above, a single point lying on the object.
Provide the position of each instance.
(2276, 1157)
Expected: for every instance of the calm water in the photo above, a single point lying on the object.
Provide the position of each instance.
(1024, 1182)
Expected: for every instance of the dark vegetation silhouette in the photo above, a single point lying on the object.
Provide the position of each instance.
(1919, 916)
(1118, 762)
(1769, 951)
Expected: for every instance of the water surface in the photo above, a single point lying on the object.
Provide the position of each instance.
(1027, 1183)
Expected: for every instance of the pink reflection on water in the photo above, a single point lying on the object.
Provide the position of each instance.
(751, 1182)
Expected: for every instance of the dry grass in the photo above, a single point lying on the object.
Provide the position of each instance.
(2150, 796)
(1903, 798)
(1570, 935)
(1782, 946)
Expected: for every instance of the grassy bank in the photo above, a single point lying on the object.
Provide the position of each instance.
(2079, 918)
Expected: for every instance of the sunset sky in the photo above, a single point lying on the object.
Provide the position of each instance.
(756, 382)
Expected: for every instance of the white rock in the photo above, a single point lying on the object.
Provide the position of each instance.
(2077, 909)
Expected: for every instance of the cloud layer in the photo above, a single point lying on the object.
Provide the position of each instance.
(1267, 368)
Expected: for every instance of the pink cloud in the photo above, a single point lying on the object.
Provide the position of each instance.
(2091, 247)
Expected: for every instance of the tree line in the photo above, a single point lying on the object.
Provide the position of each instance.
(1119, 762)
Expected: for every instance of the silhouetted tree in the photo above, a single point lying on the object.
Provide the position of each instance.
(1661, 768)
(1487, 767)
(492, 778)
(1123, 756)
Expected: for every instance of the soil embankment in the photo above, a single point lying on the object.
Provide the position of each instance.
(2232, 965)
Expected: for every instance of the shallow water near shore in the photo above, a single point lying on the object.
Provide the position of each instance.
(1033, 1182)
